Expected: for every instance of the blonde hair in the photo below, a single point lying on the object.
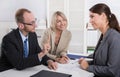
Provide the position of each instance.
(54, 18)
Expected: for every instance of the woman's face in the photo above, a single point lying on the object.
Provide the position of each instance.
(96, 20)
(61, 23)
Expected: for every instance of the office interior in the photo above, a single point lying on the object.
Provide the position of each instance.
(84, 37)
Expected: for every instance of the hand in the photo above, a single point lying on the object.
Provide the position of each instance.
(46, 48)
(63, 59)
(66, 57)
(80, 60)
(52, 65)
(83, 63)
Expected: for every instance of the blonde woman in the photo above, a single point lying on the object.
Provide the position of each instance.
(58, 37)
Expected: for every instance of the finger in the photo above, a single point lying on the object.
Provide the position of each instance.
(48, 48)
(80, 60)
(66, 60)
(49, 67)
(66, 57)
(62, 61)
(48, 41)
(54, 66)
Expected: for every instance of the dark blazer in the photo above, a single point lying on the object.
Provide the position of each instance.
(12, 52)
(106, 61)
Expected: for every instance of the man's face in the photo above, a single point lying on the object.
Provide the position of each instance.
(29, 22)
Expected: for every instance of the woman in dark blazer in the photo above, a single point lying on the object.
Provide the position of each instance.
(106, 58)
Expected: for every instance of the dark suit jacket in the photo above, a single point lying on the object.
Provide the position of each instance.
(12, 52)
(106, 61)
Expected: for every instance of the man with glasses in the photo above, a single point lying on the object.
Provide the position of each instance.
(20, 48)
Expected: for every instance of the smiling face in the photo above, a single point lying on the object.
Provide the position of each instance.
(61, 23)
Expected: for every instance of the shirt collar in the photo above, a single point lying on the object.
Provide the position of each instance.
(22, 36)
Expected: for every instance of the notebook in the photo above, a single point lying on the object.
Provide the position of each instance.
(45, 73)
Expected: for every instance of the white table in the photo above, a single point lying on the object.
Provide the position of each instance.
(72, 68)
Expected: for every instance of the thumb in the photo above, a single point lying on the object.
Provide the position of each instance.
(80, 60)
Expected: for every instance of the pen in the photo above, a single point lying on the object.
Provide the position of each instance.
(74, 62)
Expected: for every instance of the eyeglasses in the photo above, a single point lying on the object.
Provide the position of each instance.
(31, 24)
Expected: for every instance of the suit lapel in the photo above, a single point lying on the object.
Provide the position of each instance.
(53, 40)
(60, 42)
(30, 37)
(102, 42)
(19, 39)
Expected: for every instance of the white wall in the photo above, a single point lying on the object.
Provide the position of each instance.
(5, 28)
(7, 16)
(75, 10)
(113, 4)
(38, 7)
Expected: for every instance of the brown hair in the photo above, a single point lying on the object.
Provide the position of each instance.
(19, 15)
(103, 8)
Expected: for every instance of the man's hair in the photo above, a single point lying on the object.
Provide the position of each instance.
(19, 15)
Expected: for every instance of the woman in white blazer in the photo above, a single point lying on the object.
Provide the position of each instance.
(58, 37)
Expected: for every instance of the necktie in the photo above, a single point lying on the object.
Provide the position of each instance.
(25, 48)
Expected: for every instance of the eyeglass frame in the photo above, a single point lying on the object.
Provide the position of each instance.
(31, 24)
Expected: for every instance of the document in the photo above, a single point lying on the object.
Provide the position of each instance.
(73, 67)
(73, 64)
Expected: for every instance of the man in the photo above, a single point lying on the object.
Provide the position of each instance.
(16, 53)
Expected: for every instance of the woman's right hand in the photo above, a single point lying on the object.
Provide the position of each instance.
(83, 63)
(62, 60)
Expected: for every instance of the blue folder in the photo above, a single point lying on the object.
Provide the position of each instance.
(73, 56)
